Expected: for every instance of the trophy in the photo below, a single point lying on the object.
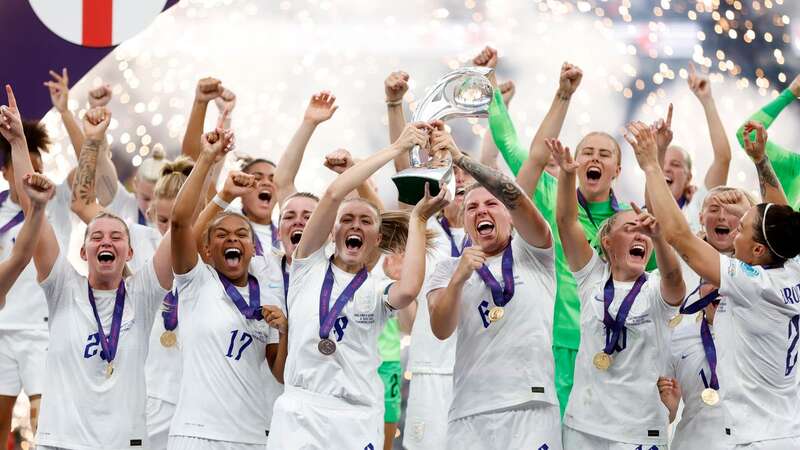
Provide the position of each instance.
(464, 92)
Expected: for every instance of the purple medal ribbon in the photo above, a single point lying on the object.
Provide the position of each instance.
(700, 304)
(170, 312)
(251, 311)
(616, 325)
(285, 283)
(682, 202)
(16, 220)
(710, 351)
(585, 204)
(276, 244)
(141, 220)
(328, 316)
(454, 250)
(501, 296)
(109, 343)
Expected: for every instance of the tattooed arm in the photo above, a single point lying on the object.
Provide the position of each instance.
(771, 190)
(106, 184)
(525, 217)
(84, 201)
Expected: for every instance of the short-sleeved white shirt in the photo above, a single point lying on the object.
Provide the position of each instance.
(164, 365)
(222, 393)
(144, 242)
(26, 308)
(509, 362)
(693, 209)
(758, 344)
(622, 403)
(350, 373)
(81, 408)
(125, 206)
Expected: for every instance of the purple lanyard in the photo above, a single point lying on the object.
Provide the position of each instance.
(616, 325)
(16, 220)
(585, 205)
(454, 250)
(141, 220)
(285, 283)
(109, 343)
(682, 201)
(501, 296)
(251, 311)
(700, 304)
(710, 351)
(328, 317)
(170, 312)
(275, 241)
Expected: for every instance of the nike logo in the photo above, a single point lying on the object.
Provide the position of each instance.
(684, 356)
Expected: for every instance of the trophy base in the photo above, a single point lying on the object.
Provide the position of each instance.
(411, 182)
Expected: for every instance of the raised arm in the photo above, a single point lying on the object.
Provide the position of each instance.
(84, 200)
(412, 274)
(489, 150)
(576, 248)
(236, 185)
(184, 247)
(207, 89)
(106, 184)
(322, 220)
(395, 87)
(59, 95)
(528, 221)
(341, 160)
(771, 191)
(320, 108)
(673, 289)
(700, 256)
(717, 174)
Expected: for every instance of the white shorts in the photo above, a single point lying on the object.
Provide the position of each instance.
(22, 360)
(578, 440)
(159, 416)
(196, 443)
(429, 397)
(772, 444)
(532, 427)
(307, 420)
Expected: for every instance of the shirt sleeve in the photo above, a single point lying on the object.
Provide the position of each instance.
(188, 284)
(740, 283)
(660, 306)
(124, 204)
(543, 259)
(504, 134)
(301, 267)
(589, 276)
(149, 292)
(441, 275)
(56, 285)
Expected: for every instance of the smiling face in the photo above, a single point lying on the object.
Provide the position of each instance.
(259, 202)
(486, 221)
(230, 246)
(626, 249)
(677, 171)
(599, 158)
(356, 233)
(294, 216)
(160, 213)
(719, 224)
(106, 248)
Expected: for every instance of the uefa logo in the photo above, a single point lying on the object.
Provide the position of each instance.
(97, 23)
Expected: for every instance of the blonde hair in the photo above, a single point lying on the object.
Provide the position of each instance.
(616, 146)
(687, 158)
(150, 169)
(173, 175)
(394, 232)
(107, 215)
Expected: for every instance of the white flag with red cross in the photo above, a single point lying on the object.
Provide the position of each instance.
(97, 23)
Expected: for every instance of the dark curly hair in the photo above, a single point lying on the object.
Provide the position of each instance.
(36, 136)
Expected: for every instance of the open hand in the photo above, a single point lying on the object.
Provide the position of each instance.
(396, 86)
(756, 150)
(38, 188)
(562, 155)
(10, 119)
(320, 108)
(339, 160)
(59, 89)
(275, 318)
(95, 123)
(643, 140)
(428, 206)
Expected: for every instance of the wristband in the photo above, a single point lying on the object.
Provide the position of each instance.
(220, 202)
(394, 102)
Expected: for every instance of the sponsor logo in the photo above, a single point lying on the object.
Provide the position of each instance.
(749, 270)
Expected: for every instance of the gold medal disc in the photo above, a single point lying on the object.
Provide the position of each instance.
(602, 360)
(496, 313)
(109, 370)
(710, 396)
(675, 321)
(169, 339)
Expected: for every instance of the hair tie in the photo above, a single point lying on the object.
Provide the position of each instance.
(764, 232)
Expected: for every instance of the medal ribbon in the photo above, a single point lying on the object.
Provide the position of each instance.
(141, 220)
(109, 343)
(170, 312)
(285, 283)
(276, 243)
(501, 296)
(585, 204)
(251, 311)
(710, 351)
(16, 220)
(454, 250)
(682, 202)
(328, 317)
(700, 304)
(618, 324)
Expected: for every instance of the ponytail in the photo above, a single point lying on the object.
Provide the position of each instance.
(776, 229)
(394, 232)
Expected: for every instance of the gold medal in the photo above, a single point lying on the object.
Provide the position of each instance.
(602, 360)
(698, 317)
(710, 396)
(496, 313)
(169, 339)
(109, 370)
(675, 321)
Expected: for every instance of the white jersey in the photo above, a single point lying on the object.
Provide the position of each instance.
(26, 308)
(144, 242)
(163, 368)
(700, 425)
(691, 211)
(224, 362)
(125, 206)
(508, 362)
(351, 373)
(757, 350)
(602, 402)
(81, 408)
(442, 245)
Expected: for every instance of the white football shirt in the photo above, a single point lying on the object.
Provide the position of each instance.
(621, 404)
(81, 408)
(351, 373)
(758, 339)
(144, 242)
(224, 358)
(125, 206)
(508, 362)
(163, 368)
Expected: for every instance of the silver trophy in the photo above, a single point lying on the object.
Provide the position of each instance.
(464, 92)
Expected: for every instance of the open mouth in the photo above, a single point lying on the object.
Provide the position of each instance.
(296, 236)
(637, 250)
(106, 257)
(485, 228)
(668, 180)
(722, 231)
(460, 192)
(353, 242)
(594, 173)
(232, 256)
(265, 196)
